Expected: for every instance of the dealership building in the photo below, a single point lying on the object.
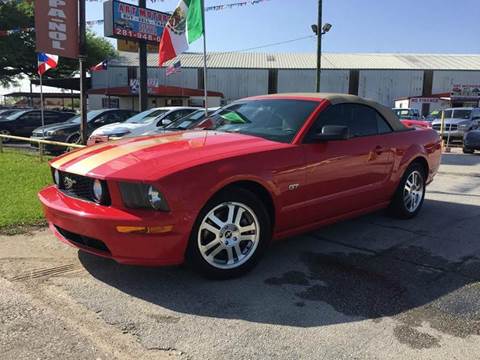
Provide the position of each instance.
(381, 77)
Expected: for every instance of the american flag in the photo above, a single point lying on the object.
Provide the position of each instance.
(174, 68)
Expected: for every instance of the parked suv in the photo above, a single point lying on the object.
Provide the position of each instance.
(23, 122)
(457, 122)
(69, 131)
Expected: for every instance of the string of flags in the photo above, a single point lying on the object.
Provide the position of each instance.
(99, 22)
(233, 5)
(207, 8)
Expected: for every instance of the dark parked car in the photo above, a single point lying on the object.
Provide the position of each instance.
(70, 131)
(471, 139)
(23, 122)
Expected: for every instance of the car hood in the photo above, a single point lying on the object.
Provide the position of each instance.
(453, 121)
(56, 127)
(149, 158)
(121, 128)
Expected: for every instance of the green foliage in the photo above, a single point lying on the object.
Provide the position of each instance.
(23, 175)
(17, 51)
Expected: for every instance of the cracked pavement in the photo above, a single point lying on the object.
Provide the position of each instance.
(368, 288)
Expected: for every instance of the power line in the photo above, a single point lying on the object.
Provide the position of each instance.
(272, 44)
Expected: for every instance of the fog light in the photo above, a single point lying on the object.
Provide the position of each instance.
(56, 177)
(97, 191)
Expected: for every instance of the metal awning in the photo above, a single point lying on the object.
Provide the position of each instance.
(67, 83)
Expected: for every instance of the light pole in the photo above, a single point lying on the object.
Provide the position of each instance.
(316, 29)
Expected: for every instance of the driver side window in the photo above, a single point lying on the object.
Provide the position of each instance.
(361, 120)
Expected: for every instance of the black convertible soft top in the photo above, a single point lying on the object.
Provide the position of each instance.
(334, 99)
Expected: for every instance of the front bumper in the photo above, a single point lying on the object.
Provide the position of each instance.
(93, 228)
(454, 134)
(48, 147)
(472, 139)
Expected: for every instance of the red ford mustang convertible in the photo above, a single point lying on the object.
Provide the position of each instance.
(272, 167)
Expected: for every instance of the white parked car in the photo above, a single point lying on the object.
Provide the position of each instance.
(139, 124)
(190, 121)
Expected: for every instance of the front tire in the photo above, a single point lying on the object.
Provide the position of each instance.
(5, 132)
(73, 139)
(410, 194)
(230, 235)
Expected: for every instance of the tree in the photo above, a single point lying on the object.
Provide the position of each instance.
(17, 51)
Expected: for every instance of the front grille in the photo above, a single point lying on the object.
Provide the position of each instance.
(452, 127)
(80, 187)
(83, 240)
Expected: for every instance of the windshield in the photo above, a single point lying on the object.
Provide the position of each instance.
(90, 116)
(145, 116)
(5, 113)
(277, 120)
(16, 114)
(458, 114)
(188, 121)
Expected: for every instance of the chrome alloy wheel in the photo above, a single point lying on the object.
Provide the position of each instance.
(228, 235)
(413, 191)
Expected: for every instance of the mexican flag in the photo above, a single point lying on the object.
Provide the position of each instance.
(184, 27)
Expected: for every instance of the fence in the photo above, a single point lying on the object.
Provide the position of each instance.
(40, 143)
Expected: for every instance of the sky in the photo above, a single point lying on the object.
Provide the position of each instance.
(362, 26)
(388, 26)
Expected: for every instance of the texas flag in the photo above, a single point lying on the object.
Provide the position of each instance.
(46, 62)
(100, 66)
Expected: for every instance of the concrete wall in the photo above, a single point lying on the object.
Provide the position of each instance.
(385, 86)
(304, 81)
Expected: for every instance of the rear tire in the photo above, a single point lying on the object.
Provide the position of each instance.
(468, 150)
(230, 235)
(408, 199)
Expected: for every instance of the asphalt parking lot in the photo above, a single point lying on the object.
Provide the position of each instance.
(369, 288)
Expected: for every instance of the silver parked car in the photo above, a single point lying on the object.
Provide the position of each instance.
(457, 122)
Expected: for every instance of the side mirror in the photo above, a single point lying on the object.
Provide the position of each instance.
(331, 133)
(164, 122)
(206, 124)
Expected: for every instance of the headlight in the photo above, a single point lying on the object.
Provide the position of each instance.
(155, 198)
(55, 132)
(97, 190)
(122, 134)
(144, 196)
(56, 177)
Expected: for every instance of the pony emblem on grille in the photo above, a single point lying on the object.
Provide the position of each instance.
(68, 182)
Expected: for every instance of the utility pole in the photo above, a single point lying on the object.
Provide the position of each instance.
(319, 44)
(142, 57)
(83, 71)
